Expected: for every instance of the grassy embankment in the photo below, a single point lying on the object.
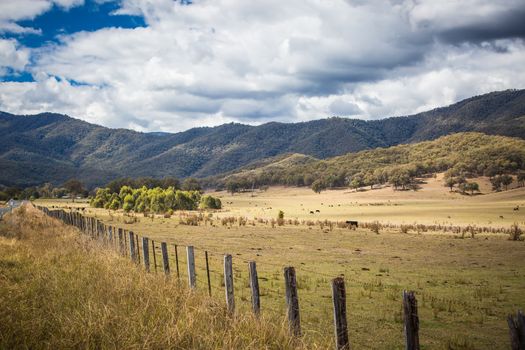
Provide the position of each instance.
(60, 290)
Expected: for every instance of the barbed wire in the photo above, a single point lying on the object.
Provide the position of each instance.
(267, 292)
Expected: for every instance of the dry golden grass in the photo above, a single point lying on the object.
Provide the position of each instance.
(59, 290)
(432, 204)
(465, 286)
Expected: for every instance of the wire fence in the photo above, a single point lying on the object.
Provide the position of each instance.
(273, 290)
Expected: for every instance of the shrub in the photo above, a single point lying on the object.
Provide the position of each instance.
(515, 233)
(209, 202)
(375, 227)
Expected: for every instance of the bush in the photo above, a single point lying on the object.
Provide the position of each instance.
(375, 227)
(515, 233)
(209, 202)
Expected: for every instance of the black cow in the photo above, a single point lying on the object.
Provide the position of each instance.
(352, 223)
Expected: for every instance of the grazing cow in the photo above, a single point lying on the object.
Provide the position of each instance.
(352, 223)
(516, 208)
(317, 211)
(311, 212)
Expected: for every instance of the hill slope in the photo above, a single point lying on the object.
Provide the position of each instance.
(470, 153)
(52, 147)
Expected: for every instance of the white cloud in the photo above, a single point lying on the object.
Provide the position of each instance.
(230, 60)
(12, 56)
(12, 11)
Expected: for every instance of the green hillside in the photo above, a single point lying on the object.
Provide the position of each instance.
(52, 147)
(470, 154)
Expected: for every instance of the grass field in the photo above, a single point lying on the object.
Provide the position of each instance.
(61, 290)
(432, 204)
(465, 287)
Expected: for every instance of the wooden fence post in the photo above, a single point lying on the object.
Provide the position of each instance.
(165, 258)
(254, 286)
(340, 320)
(208, 273)
(110, 234)
(132, 251)
(154, 254)
(192, 280)
(411, 321)
(517, 331)
(125, 243)
(228, 283)
(177, 261)
(121, 242)
(292, 301)
(145, 250)
(138, 249)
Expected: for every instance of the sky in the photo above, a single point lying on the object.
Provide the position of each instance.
(169, 65)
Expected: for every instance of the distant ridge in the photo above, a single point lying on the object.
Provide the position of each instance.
(53, 147)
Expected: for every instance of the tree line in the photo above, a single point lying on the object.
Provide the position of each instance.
(153, 200)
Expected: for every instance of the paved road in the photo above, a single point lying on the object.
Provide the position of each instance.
(12, 204)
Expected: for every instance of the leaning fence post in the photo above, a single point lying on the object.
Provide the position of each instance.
(517, 331)
(292, 301)
(411, 321)
(192, 280)
(165, 258)
(132, 251)
(340, 321)
(154, 255)
(177, 261)
(208, 273)
(254, 286)
(145, 251)
(228, 283)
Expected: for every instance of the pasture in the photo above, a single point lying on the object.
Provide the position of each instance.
(465, 285)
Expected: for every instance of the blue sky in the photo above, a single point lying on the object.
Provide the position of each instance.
(59, 21)
(89, 17)
(166, 65)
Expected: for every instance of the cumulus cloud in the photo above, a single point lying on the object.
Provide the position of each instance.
(12, 57)
(13, 11)
(229, 60)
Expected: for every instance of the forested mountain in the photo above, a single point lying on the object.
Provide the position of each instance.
(52, 147)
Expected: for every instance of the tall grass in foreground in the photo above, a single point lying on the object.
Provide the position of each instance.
(60, 290)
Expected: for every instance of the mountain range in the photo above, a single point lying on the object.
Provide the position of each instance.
(50, 147)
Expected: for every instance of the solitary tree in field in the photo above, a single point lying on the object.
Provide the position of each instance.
(370, 180)
(318, 186)
(472, 187)
(356, 182)
(232, 186)
(74, 187)
(521, 178)
(496, 182)
(506, 180)
(450, 182)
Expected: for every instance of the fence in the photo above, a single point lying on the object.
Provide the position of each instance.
(127, 243)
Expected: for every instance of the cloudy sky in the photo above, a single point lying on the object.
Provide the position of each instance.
(166, 65)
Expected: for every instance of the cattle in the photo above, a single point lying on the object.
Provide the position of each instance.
(352, 223)
(311, 212)
(516, 208)
(317, 211)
